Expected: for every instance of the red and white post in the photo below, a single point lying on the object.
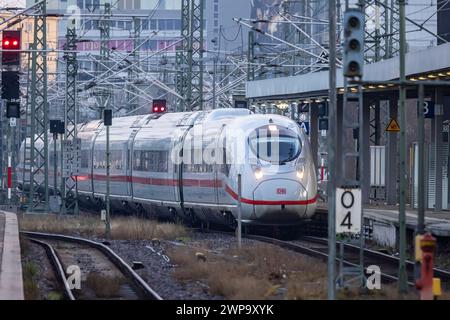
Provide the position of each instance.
(9, 178)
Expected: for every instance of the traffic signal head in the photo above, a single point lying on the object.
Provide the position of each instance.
(57, 127)
(159, 106)
(10, 46)
(13, 109)
(107, 117)
(354, 43)
(10, 85)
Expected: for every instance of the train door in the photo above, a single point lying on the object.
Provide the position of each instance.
(177, 152)
(220, 162)
(130, 160)
(94, 138)
(223, 170)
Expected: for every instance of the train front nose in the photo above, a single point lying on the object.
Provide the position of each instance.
(280, 200)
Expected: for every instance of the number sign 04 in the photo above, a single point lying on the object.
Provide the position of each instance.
(348, 210)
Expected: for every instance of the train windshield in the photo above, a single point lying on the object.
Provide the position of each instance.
(275, 144)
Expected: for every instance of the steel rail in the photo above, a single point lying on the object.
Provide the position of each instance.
(57, 268)
(312, 253)
(443, 274)
(143, 288)
(292, 246)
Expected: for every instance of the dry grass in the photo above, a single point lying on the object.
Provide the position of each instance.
(301, 286)
(30, 284)
(104, 286)
(122, 228)
(140, 229)
(255, 272)
(267, 272)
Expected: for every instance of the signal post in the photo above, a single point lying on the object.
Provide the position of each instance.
(10, 93)
(349, 185)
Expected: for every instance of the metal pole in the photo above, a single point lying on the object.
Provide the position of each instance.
(251, 56)
(55, 165)
(341, 279)
(108, 222)
(69, 187)
(63, 182)
(402, 277)
(362, 178)
(421, 178)
(38, 160)
(331, 153)
(214, 83)
(239, 231)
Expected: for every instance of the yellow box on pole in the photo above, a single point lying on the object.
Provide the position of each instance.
(437, 289)
(418, 249)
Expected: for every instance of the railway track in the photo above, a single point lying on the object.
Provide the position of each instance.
(58, 249)
(318, 248)
(385, 261)
(320, 251)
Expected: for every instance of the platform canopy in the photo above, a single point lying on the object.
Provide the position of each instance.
(433, 63)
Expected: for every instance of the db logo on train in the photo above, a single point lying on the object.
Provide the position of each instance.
(281, 191)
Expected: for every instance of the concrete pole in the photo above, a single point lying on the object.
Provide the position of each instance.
(421, 178)
(332, 153)
(438, 145)
(391, 157)
(402, 276)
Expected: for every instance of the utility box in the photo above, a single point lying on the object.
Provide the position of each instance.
(54, 204)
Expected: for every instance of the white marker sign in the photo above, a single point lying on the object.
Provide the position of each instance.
(348, 210)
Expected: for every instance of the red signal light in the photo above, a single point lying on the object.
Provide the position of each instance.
(11, 47)
(159, 106)
(10, 44)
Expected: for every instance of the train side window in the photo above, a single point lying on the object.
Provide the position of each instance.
(194, 167)
(99, 159)
(85, 158)
(151, 161)
(116, 159)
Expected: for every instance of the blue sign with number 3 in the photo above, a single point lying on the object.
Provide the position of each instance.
(428, 109)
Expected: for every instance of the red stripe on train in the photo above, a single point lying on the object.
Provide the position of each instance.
(234, 195)
(195, 183)
(155, 181)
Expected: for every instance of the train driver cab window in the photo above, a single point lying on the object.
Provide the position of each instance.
(275, 144)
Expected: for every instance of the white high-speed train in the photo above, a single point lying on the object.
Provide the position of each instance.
(186, 165)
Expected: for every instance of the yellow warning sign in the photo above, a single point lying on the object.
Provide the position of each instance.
(393, 126)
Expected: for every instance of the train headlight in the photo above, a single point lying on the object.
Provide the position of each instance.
(259, 174)
(301, 172)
